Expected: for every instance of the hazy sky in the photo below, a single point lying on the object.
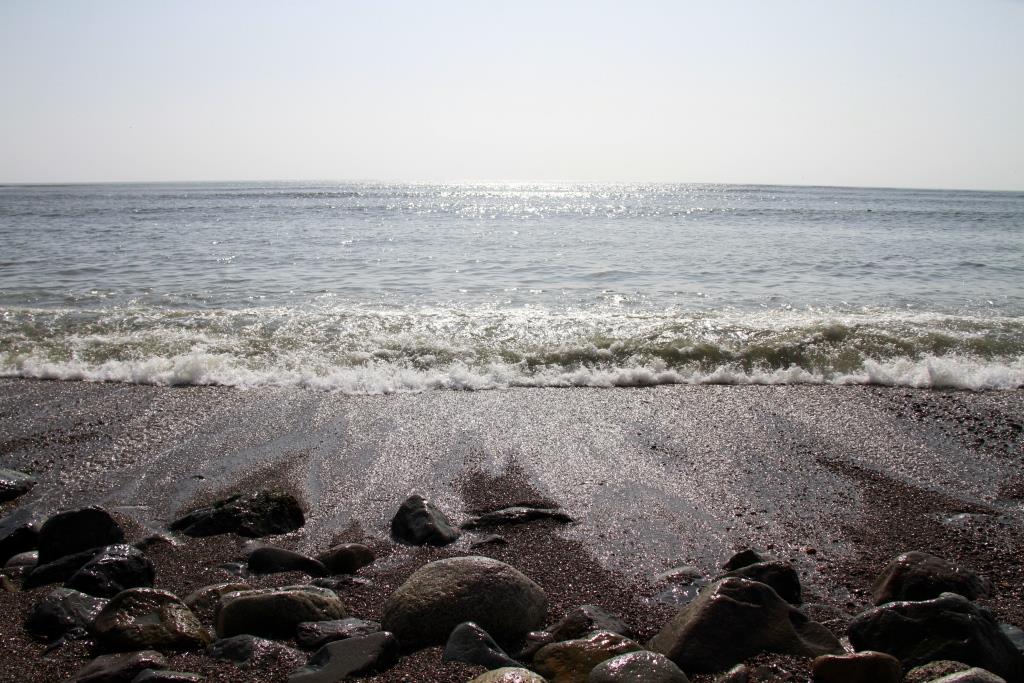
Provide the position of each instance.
(911, 94)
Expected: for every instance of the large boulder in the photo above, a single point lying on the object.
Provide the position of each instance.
(19, 532)
(14, 484)
(118, 668)
(347, 558)
(418, 522)
(263, 513)
(778, 574)
(947, 627)
(146, 618)
(441, 595)
(571, 661)
(271, 560)
(734, 619)
(637, 667)
(858, 667)
(920, 576)
(73, 531)
(350, 657)
(471, 644)
(275, 612)
(61, 611)
(116, 568)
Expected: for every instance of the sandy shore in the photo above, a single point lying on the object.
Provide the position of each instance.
(836, 479)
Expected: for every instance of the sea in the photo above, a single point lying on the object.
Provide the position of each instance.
(373, 288)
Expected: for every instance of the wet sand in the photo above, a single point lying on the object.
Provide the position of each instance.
(836, 479)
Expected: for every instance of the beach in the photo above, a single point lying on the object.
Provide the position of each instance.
(836, 480)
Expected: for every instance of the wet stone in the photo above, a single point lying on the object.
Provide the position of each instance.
(311, 635)
(204, 601)
(271, 560)
(743, 558)
(571, 661)
(637, 667)
(974, 675)
(418, 522)
(247, 650)
(74, 531)
(347, 558)
(351, 657)
(517, 515)
(14, 484)
(141, 618)
(19, 532)
(859, 667)
(509, 675)
(60, 570)
(779, 575)
(276, 612)
(471, 644)
(23, 562)
(119, 668)
(114, 569)
(62, 610)
(920, 576)
(585, 619)
(932, 670)
(263, 513)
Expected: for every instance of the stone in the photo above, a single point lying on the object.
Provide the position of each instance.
(275, 612)
(23, 562)
(63, 610)
(734, 619)
(743, 558)
(114, 569)
(489, 539)
(311, 635)
(509, 675)
(144, 618)
(14, 484)
(60, 570)
(350, 657)
(118, 668)
(471, 644)
(681, 575)
(517, 515)
(859, 667)
(347, 558)
(418, 522)
(155, 676)
(248, 650)
(532, 643)
(738, 674)
(920, 576)
(974, 675)
(19, 532)
(637, 667)
(779, 575)
(271, 560)
(585, 619)
(263, 513)
(203, 601)
(441, 595)
(73, 531)
(571, 661)
(932, 670)
(947, 627)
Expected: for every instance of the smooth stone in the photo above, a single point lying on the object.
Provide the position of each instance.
(350, 657)
(347, 558)
(62, 610)
(734, 619)
(744, 558)
(441, 595)
(275, 612)
(311, 635)
(114, 569)
(637, 667)
(60, 570)
(517, 515)
(258, 514)
(155, 676)
(779, 575)
(738, 674)
(947, 627)
(143, 618)
(25, 561)
(509, 675)
(118, 668)
(920, 576)
(974, 675)
(14, 484)
(682, 575)
(932, 670)
(203, 601)
(247, 650)
(471, 644)
(73, 531)
(859, 667)
(339, 582)
(571, 661)
(532, 643)
(585, 619)
(271, 560)
(418, 522)
(19, 532)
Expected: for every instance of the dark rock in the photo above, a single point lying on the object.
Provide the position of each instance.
(311, 635)
(203, 601)
(532, 643)
(738, 674)
(347, 558)
(508, 674)
(859, 667)
(516, 515)
(920, 576)
(118, 668)
(932, 670)
(571, 661)
(418, 522)
(60, 570)
(116, 568)
(141, 618)
(585, 619)
(73, 531)
(471, 644)
(637, 667)
(1015, 635)
(23, 562)
(19, 532)
(743, 558)
(490, 539)
(247, 650)
(154, 676)
(60, 611)
(276, 612)
(263, 513)
(734, 619)
(441, 595)
(271, 560)
(340, 581)
(350, 657)
(974, 675)
(779, 575)
(14, 484)
(947, 627)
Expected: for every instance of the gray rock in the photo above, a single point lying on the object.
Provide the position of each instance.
(14, 484)
(532, 643)
(311, 635)
(1015, 635)
(350, 657)
(744, 558)
(680, 575)
(62, 610)
(263, 513)
(920, 576)
(517, 515)
(118, 668)
(60, 570)
(19, 532)
(859, 667)
(249, 650)
(571, 661)
(734, 619)
(637, 667)
(155, 676)
(143, 618)
(418, 522)
(271, 560)
(441, 595)
(275, 612)
(347, 558)
(25, 561)
(116, 568)
(585, 619)
(779, 575)
(509, 675)
(489, 539)
(974, 675)
(471, 644)
(73, 531)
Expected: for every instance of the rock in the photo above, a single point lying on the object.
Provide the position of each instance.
(25, 561)
(681, 575)
(1015, 635)
(63, 610)
(932, 670)
(742, 559)
(418, 522)
(73, 531)
(947, 627)
(60, 570)
(974, 675)
(347, 558)
(489, 539)
(734, 619)
(263, 513)
(571, 661)
(203, 601)
(14, 484)
(350, 657)
(471, 644)
(441, 595)
(585, 619)
(19, 532)
(738, 674)
(532, 643)
(311, 635)
(637, 667)
(340, 581)
(271, 560)
(509, 675)
(6, 585)
(154, 676)
(143, 618)
(248, 650)
(859, 667)
(517, 515)
(779, 575)
(116, 568)
(118, 668)
(920, 576)
(275, 612)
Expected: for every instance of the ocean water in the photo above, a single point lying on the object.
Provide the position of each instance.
(375, 288)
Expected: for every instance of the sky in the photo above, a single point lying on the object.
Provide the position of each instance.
(882, 94)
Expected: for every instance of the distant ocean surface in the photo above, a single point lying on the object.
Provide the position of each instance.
(377, 288)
